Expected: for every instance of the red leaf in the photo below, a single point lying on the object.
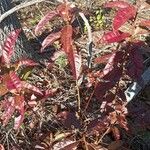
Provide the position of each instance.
(110, 74)
(103, 59)
(73, 56)
(9, 106)
(116, 132)
(48, 17)
(122, 16)
(31, 87)
(8, 47)
(50, 39)
(136, 69)
(114, 36)
(109, 66)
(118, 4)
(145, 23)
(66, 38)
(12, 82)
(27, 62)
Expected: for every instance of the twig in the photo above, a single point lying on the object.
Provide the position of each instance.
(20, 6)
(89, 44)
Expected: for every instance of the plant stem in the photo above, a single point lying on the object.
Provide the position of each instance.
(78, 99)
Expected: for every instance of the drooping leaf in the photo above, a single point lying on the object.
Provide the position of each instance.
(31, 87)
(50, 39)
(48, 17)
(114, 36)
(117, 4)
(123, 15)
(103, 59)
(73, 56)
(8, 47)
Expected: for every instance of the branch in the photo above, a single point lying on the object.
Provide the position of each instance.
(20, 6)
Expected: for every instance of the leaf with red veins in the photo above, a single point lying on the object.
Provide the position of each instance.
(50, 39)
(66, 38)
(103, 59)
(27, 62)
(48, 17)
(117, 4)
(8, 47)
(31, 87)
(123, 15)
(73, 56)
(114, 36)
(12, 82)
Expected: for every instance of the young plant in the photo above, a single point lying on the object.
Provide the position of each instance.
(12, 87)
(107, 84)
